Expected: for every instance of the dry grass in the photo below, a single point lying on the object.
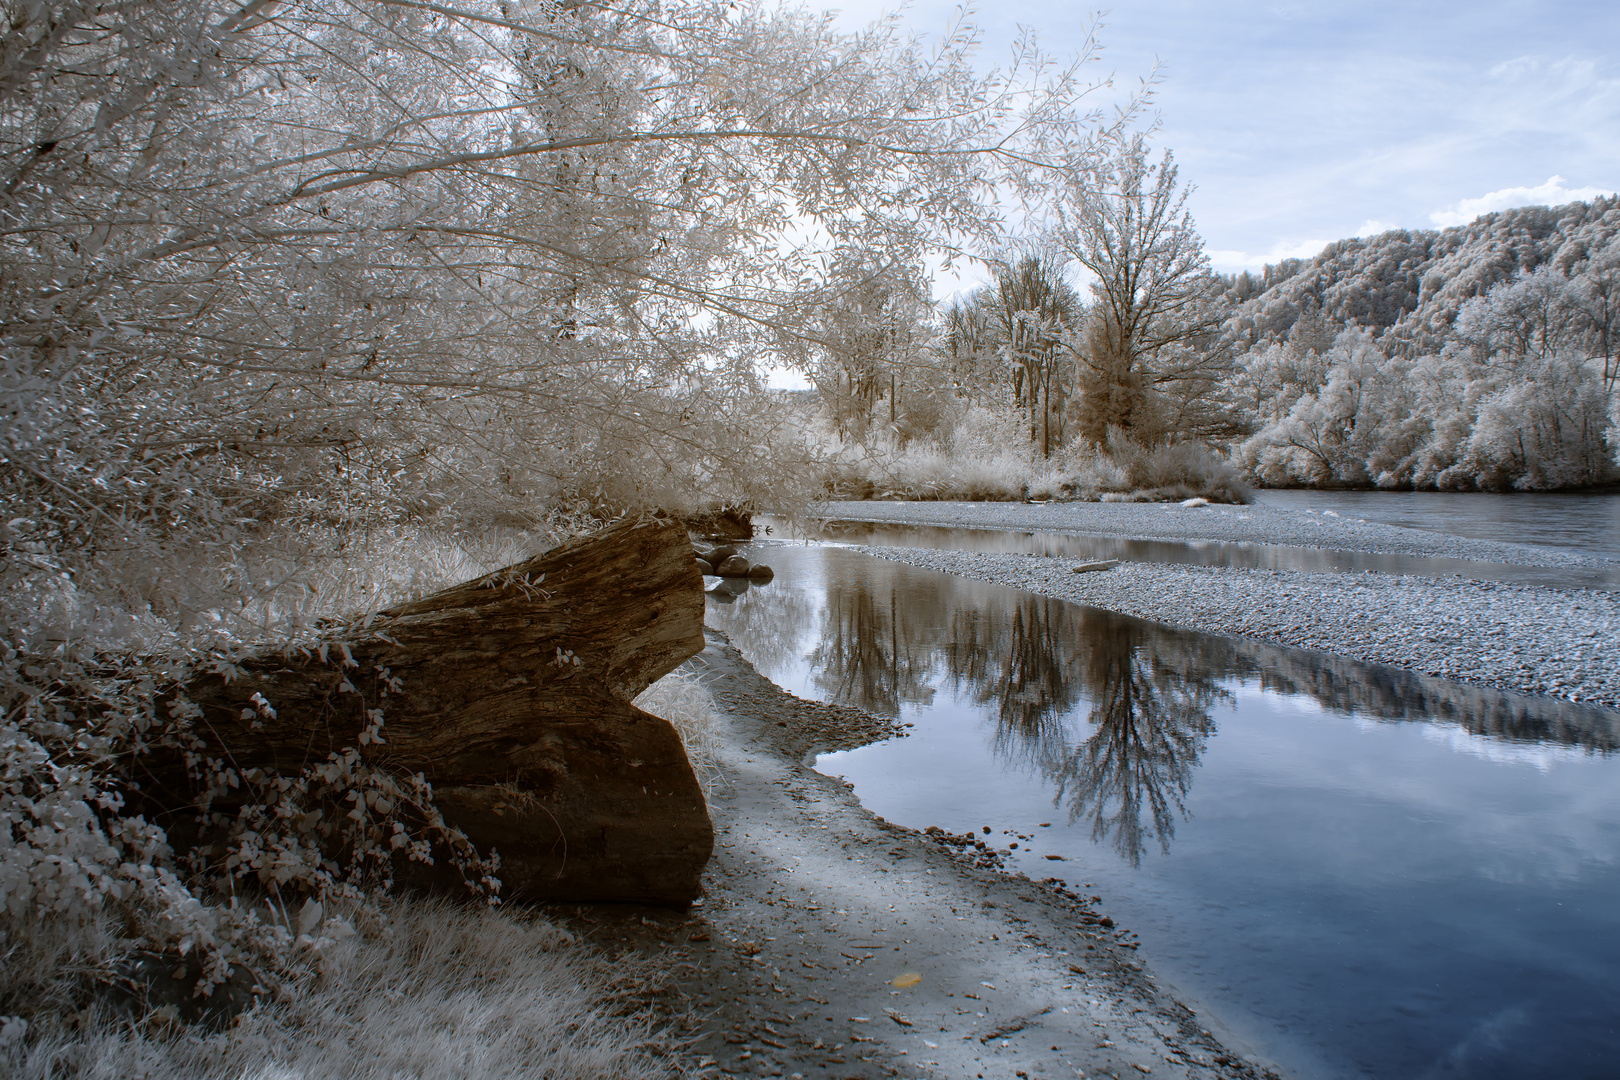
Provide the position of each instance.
(681, 698)
(988, 457)
(429, 989)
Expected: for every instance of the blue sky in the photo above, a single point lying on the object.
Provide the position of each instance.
(1301, 123)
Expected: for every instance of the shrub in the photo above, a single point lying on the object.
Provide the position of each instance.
(1127, 471)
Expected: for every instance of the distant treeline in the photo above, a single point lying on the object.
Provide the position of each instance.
(1483, 357)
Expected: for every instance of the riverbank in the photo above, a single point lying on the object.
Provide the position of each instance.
(1529, 639)
(830, 943)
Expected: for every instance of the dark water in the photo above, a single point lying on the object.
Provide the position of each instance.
(1205, 553)
(1358, 871)
(1587, 523)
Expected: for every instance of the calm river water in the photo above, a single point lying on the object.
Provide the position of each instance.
(1359, 872)
(1589, 523)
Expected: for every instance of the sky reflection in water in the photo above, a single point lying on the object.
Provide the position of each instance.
(1363, 872)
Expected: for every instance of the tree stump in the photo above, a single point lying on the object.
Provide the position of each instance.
(513, 699)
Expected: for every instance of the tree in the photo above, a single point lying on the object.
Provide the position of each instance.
(872, 350)
(1148, 362)
(1005, 341)
(1595, 293)
(1034, 308)
(1522, 322)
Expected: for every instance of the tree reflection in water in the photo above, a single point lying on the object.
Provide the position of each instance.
(1031, 668)
(1151, 692)
(869, 655)
(887, 634)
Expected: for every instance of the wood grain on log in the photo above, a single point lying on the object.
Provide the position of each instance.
(513, 700)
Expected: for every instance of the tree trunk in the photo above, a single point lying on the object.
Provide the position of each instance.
(513, 699)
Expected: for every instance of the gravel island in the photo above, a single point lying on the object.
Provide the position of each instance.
(1529, 639)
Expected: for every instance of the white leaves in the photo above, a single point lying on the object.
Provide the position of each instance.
(310, 915)
(12, 1030)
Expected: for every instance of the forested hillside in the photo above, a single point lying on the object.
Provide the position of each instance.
(1483, 356)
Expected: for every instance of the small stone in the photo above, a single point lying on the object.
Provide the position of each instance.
(760, 573)
(705, 569)
(734, 566)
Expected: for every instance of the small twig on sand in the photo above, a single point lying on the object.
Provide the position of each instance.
(1015, 1025)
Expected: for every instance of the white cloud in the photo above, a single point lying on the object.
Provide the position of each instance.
(1374, 227)
(1552, 193)
(1233, 261)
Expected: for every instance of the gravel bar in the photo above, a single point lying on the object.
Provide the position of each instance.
(1534, 640)
(1253, 524)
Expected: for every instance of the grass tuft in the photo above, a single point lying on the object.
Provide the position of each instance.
(681, 698)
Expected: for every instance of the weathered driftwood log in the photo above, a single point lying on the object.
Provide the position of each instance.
(513, 698)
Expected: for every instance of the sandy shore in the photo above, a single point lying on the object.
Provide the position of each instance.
(1561, 642)
(830, 943)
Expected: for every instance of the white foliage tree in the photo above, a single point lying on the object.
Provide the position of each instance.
(1148, 363)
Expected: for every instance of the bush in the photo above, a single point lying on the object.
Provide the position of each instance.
(1127, 471)
(988, 458)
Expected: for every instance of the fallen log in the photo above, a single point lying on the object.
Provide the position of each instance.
(511, 695)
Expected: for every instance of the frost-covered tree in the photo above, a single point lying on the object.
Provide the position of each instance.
(1547, 432)
(1348, 429)
(1005, 341)
(1595, 295)
(1501, 332)
(1033, 309)
(1148, 364)
(1004, 344)
(1522, 321)
(873, 365)
(966, 345)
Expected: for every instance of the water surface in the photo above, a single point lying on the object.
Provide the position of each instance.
(1359, 871)
(1586, 523)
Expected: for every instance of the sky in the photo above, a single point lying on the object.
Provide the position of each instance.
(1303, 123)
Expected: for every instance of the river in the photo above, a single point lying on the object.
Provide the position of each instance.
(1356, 871)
